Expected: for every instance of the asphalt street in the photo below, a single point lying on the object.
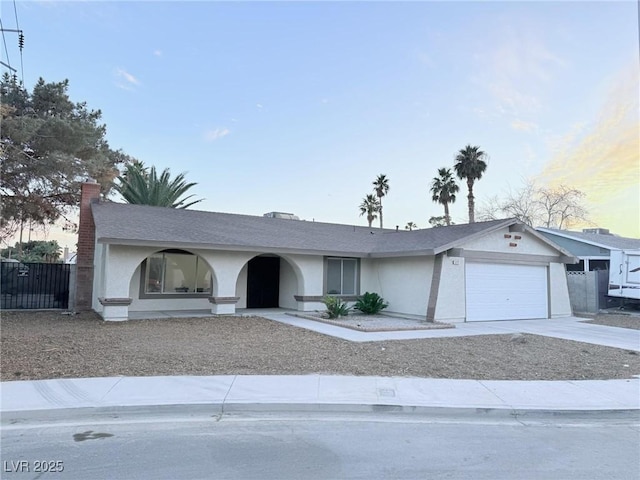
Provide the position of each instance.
(307, 446)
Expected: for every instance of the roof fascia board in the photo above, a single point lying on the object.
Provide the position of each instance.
(228, 248)
(249, 248)
(524, 258)
(407, 253)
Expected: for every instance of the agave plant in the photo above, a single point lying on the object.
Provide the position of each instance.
(370, 303)
(336, 307)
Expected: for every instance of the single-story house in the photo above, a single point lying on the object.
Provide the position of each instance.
(592, 246)
(143, 258)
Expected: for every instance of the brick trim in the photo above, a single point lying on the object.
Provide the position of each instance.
(90, 192)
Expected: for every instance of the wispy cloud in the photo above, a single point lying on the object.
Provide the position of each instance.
(157, 53)
(603, 159)
(216, 134)
(126, 80)
(523, 126)
(259, 105)
(517, 67)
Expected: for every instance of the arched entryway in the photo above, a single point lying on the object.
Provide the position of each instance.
(267, 281)
(263, 282)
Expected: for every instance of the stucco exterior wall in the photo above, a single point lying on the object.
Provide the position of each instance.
(311, 267)
(403, 282)
(369, 276)
(559, 302)
(98, 277)
(241, 287)
(288, 286)
(496, 242)
(451, 301)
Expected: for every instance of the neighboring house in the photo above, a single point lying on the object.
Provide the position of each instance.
(142, 258)
(588, 280)
(592, 246)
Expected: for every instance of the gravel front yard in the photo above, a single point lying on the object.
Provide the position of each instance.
(615, 320)
(40, 345)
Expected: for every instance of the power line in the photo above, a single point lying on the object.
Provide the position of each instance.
(6, 50)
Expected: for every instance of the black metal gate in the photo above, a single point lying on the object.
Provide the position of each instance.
(34, 285)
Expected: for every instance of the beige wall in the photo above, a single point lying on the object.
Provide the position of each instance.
(288, 286)
(403, 282)
(560, 305)
(451, 301)
(496, 242)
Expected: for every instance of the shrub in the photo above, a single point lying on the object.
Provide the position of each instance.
(336, 307)
(370, 303)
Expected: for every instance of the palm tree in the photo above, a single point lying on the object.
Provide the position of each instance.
(443, 189)
(143, 186)
(470, 165)
(381, 187)
(371, 206)
(410, 226)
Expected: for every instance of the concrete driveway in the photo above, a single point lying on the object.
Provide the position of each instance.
(570, 328)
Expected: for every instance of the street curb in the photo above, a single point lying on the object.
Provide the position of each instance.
(218, 411)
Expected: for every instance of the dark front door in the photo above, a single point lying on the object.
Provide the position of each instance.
(263, 282)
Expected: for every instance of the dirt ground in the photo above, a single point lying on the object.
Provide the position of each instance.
(615, 320)
(41, 345)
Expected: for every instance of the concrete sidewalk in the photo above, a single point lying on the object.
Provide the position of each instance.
(246, 393)
(319, 393)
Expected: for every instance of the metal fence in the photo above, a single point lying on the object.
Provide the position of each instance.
(34, 285)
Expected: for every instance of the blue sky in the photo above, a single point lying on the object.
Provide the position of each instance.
(297, 106)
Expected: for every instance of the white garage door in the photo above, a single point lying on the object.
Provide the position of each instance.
(505, 291)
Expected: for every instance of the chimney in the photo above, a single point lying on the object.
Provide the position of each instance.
(86, 246)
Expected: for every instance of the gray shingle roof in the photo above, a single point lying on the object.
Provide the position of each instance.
(167, 227)
(608, 241)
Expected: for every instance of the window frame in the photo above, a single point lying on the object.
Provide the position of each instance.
(356, 277)
(144, 294)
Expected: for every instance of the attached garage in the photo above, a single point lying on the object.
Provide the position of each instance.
(503, 291)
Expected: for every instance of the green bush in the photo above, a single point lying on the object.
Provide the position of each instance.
(336, 307)
(370, 303)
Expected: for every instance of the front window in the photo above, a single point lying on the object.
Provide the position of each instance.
(176, 273)
(342, 276)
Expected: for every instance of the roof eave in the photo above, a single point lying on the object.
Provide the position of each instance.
(406, 253)
(223, 247)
